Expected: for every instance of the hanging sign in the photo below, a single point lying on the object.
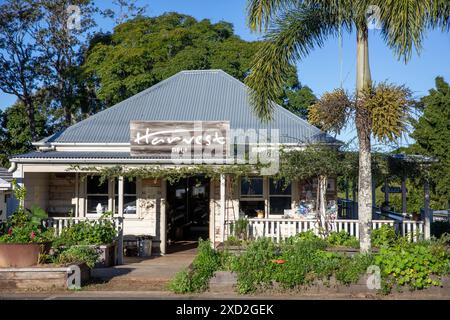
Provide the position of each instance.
(392, 189)
(204, 139)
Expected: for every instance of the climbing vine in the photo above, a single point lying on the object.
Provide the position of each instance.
(171, 174)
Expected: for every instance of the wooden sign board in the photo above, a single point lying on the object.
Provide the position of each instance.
(186, 139)
(392, 189)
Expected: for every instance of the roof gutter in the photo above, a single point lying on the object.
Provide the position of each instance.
(13, 166)
(119, 161)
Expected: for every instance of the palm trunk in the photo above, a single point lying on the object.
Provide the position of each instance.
(363, 125)
(322, 183)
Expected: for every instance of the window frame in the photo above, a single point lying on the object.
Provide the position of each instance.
(266, 196)
(107, 195)
(116, 194)
(270, 196)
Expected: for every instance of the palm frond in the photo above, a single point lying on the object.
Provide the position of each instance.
(291, 36)
(260, 12)
(404, 22)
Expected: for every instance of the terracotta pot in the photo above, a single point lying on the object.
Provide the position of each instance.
(19, 255)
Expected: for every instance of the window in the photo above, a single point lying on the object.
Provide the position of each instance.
(252, 187)
(251, 196)
(97, 195)
(251, 208)
(129, 196)
(280, 197)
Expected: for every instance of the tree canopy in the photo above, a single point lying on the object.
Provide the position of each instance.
(432, 136)
(145, 50)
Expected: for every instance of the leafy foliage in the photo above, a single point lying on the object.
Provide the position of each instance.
(96, 232)
(204, 265)
(78, 254)
(342, 238)
(417, 265)
(25, 226)
(384, 236)
(431, 134)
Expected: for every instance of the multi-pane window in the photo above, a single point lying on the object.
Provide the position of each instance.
(280, 197)
(129, 196)
(251, 196)
(97, 195)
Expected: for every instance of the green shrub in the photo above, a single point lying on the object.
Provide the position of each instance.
(255, 267)
(304, 262)
(384, 236)
(307, 235)
(78, 254)
(416, 265)
(26, 227)
(342, 238)
(96, 232)
(351, 269)
(240, 228)
(181, 283)
(204, 265)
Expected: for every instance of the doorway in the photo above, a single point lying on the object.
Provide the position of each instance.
(188, 210)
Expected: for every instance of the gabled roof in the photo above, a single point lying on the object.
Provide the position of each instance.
(204, 95)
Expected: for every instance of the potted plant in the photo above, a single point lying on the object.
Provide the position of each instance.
(23, 237)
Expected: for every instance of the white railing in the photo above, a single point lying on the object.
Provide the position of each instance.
(59, 223)
(280, 229)
(413, 230)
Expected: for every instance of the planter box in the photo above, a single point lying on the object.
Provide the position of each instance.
(19, 255)
(108, 254)
(40, 277)
(226, 281)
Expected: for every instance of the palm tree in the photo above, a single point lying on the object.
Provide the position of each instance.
(294, 27)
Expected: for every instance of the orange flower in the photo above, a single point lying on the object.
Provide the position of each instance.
(279, 261)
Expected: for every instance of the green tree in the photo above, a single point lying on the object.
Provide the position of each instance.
(294, 28)
(20, 63)
(432, 138)
(143, 51)
(61, 46)
(15, 133)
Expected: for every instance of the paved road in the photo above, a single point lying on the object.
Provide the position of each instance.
(166, 295)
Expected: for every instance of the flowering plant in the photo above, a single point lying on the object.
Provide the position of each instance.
(25, 226)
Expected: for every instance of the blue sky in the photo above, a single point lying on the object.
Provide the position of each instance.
(321, 70)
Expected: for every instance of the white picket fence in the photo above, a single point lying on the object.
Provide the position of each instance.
(280, 229)
(59, 223)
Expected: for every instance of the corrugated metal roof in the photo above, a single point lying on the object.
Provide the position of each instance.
(5, 175)
(204, 95)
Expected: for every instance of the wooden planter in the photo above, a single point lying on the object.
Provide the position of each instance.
(18, 255)
(40, 277)
(108, 254)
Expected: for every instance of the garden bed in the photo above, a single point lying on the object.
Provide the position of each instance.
(40, 277)
(226, 282)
